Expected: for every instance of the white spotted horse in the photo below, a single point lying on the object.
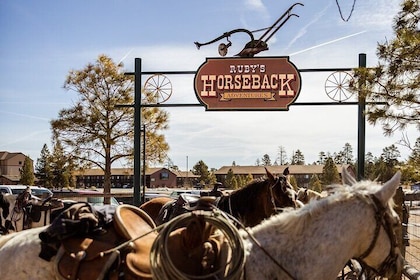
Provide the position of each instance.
(84, 242)
(28, 211)
(353, 222)
(4, 211)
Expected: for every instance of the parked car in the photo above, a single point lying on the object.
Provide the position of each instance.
(17, 189)
(415, 186)
(90, 196)
(174, 194)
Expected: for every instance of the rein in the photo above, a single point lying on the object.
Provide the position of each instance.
(382, 218)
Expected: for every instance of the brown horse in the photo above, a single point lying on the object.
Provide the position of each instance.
(250, 205)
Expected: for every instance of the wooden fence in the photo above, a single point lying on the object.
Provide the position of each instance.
(410, 218)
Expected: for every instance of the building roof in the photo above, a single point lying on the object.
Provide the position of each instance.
(130, 171)
(6, 155)
(275, 169)
(185, 174)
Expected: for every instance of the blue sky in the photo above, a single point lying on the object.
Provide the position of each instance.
(42, 40)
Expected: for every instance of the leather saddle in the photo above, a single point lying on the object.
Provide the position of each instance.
(183, 204)
(124, 249)
(133, 223)
(99, 257)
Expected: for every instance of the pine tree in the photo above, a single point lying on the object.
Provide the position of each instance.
(61, 167)
(298, 158)
(266, 161)
(414, 158)
(27, 176)
(202, 170)
(43, 168)
(315, 183)
(231, 182)
(396, 80)
(330, 173)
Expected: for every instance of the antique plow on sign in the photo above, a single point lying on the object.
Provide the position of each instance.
(253, 46)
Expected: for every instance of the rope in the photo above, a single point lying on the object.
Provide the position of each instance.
(162, 266)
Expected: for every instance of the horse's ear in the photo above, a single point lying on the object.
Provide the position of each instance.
(269, 175)
(389, 188)
(286, 171)
(347, 178)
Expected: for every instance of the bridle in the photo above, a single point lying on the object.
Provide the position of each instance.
(383, 219)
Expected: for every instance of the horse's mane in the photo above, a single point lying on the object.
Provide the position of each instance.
(294, 221)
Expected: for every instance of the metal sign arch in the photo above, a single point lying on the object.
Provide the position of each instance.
(138, 73)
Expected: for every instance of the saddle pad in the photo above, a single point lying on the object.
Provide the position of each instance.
(132, 222)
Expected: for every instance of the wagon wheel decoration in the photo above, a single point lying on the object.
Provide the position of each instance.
(158, 88)
(337, 86)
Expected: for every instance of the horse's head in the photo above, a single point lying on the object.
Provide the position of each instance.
(282, 194)
(382, 254)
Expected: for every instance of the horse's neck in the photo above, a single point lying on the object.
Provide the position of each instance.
(246, 208)
(320, 248)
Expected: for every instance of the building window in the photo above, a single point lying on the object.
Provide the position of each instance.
(164, 175)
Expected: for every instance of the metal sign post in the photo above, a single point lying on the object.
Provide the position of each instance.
(361, 136)
(137, 182)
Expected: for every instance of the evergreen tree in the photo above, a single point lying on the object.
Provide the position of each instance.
(27, 172)
(396, 80)
(383, 171)
(330, 173)
(347, 153)
(266, 161)
(369, 166)
(249, 178)
(322, 158)
(61, 166)
(231, 182)
(202, 170)
(315, 183)
(338, 158)
(298, 158)
(390, 155)
(43, 170)
(414, 158)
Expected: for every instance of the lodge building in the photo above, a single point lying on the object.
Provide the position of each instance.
(160, 177)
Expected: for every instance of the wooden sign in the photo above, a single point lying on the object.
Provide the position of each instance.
(268, 83)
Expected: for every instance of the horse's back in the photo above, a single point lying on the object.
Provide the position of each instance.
(19, 256)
